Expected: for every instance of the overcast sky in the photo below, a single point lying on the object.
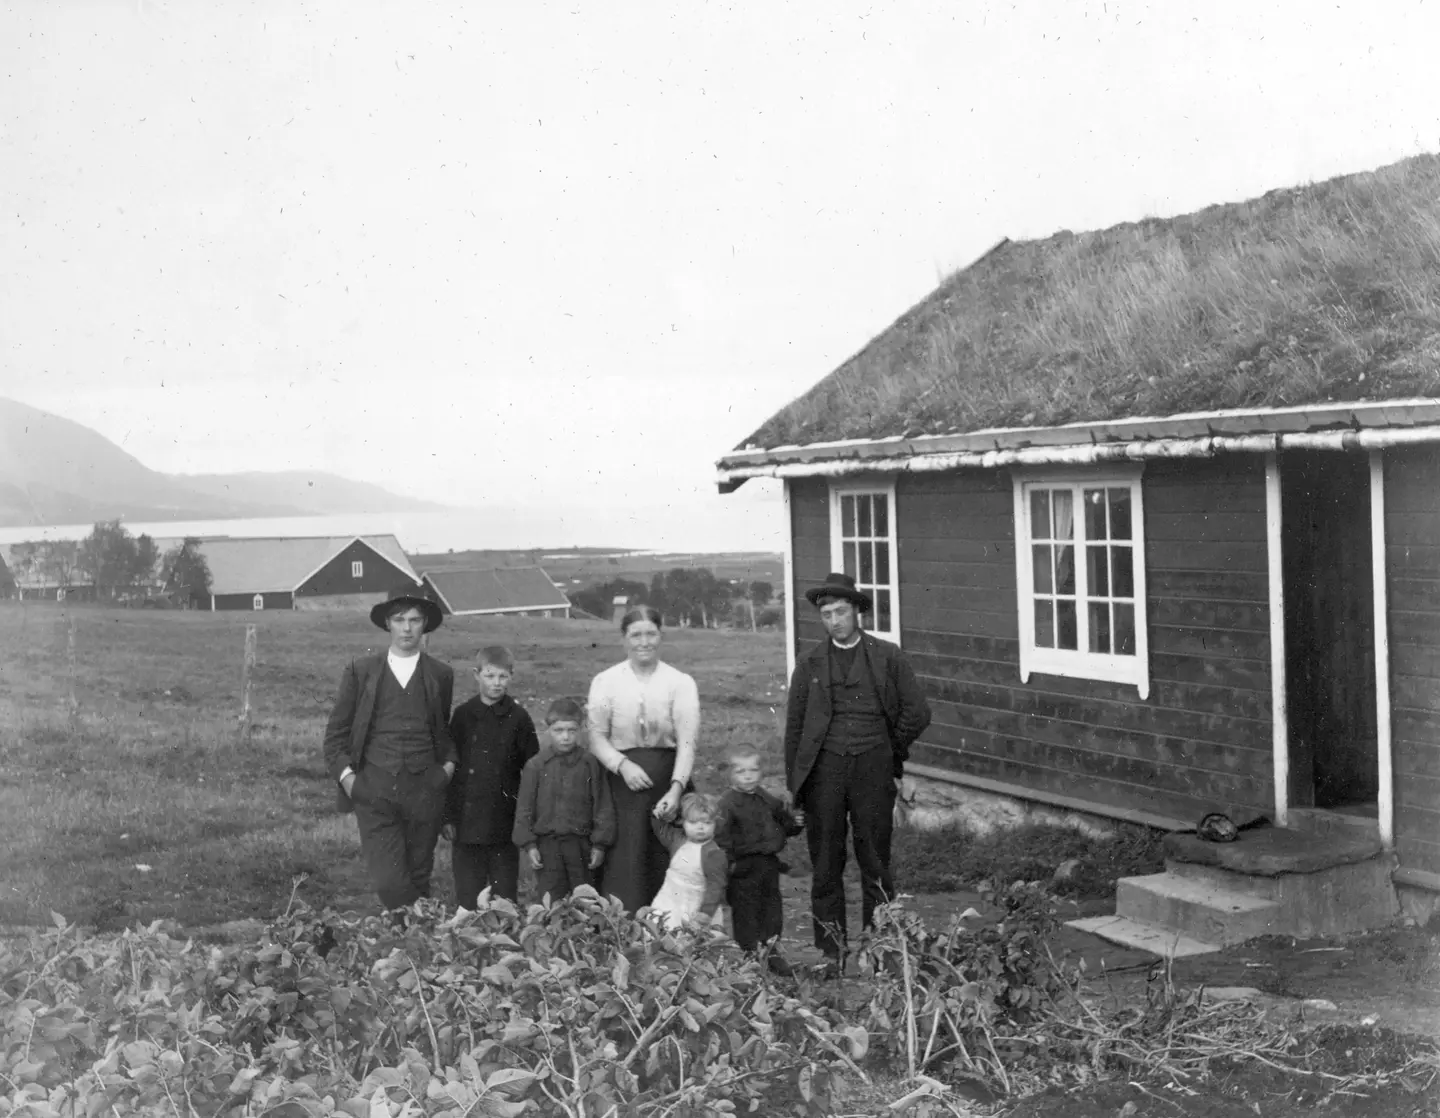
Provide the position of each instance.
(571, 253)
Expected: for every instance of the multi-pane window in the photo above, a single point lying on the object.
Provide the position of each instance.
(863, 545)
(1081, 577)
(258, 602)
(357, 568)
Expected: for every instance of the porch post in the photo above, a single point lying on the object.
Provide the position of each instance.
(1279, 723)
(789, 586)
(1385, 797)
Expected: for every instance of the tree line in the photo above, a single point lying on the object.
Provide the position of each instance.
(688, 596)
(113, 562)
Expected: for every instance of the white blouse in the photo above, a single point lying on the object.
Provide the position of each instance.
(661, 711)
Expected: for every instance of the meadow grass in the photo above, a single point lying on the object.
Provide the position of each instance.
(151, 773)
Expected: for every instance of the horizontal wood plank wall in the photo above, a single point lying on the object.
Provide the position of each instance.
(810, 528)
(1203, 737)
(1412, 536)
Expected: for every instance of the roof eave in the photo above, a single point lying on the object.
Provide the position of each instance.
(995, 446)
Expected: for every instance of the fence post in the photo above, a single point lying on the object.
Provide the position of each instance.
(245, 671)
(73, 705)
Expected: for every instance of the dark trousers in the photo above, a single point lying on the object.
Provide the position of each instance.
(477, 865)
(753, 894)
(848, 793)
(399, 820)
(565, 864)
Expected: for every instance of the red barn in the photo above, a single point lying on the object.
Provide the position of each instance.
(302, 572)
(1155, 512)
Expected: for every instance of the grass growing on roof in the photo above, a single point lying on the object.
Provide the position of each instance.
(1325, 292)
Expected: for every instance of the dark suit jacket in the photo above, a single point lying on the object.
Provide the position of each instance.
(494, 743)
(348, 730)
(807, 714)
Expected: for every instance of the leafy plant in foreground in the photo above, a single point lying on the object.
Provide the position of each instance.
(572, 1008)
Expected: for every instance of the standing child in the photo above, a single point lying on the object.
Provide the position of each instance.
(753, 829)
(494, 736)
(695, 882)
(565, 821)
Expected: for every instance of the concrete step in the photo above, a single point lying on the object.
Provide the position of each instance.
(1321, 821)
(1127, 932)
(1214, 877)
(1198, 909)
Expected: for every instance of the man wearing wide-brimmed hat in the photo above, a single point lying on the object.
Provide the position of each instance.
(854, 709)
(388, 747)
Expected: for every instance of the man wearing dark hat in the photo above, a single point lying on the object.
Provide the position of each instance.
(854, 709)
(388, 746)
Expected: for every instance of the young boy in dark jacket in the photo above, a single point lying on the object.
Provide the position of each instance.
(494, 736)
(754, 826)
(565, 818)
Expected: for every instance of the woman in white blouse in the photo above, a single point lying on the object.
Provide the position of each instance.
(644, 718)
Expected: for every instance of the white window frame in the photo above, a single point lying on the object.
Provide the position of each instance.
(885, 488)
(258, 602)
(1081, 664)
(357, 568)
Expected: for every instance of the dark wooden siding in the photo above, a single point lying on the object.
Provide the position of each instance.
(810, 537)
(1203, 736)
(277, 599)
(378, 574)
(1412, 535)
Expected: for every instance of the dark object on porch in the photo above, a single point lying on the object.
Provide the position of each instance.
(1217, 828)
(1272, 851)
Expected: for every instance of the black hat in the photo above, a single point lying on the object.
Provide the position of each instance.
(410, 596)
(839, 585)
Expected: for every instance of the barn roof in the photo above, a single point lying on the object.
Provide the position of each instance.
(496, 590)
(274, 564)
(1292, 302)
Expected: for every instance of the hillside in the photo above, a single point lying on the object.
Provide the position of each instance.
(56, 471)
(312, 491)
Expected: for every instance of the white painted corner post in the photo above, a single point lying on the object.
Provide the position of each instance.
(1279, 719)
(1385, 796)
(789, 586)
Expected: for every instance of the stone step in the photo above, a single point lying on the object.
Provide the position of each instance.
(1320, 821)
(1128, 932)
(1198, 909)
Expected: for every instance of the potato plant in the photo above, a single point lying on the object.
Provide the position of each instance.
(572, 1008)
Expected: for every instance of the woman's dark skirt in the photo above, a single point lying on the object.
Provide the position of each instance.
(635, 866)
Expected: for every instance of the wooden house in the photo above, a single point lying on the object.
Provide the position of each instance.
(1155, 514)
(302, 572)
(493, 591)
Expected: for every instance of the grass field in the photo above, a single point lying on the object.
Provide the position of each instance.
(151, 773)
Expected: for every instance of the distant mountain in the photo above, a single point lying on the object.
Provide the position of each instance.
(311, 491)
(56, 471)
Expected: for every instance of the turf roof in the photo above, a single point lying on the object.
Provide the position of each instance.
(1320, 293)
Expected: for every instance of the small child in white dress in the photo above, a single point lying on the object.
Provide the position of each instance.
(695, 882)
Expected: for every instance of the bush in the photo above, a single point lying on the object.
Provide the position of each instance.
(568, 1008)
(955, 857)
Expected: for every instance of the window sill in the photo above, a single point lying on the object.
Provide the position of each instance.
(1100, 669)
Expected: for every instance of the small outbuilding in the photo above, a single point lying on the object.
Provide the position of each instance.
(1155, 514)
(522, 591)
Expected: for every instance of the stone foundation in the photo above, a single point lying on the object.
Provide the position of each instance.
(938, 803)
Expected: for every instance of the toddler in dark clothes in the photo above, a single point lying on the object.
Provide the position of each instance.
(754, 827)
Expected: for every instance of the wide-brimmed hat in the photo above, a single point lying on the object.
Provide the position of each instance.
(838, 585)
(410, 596)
